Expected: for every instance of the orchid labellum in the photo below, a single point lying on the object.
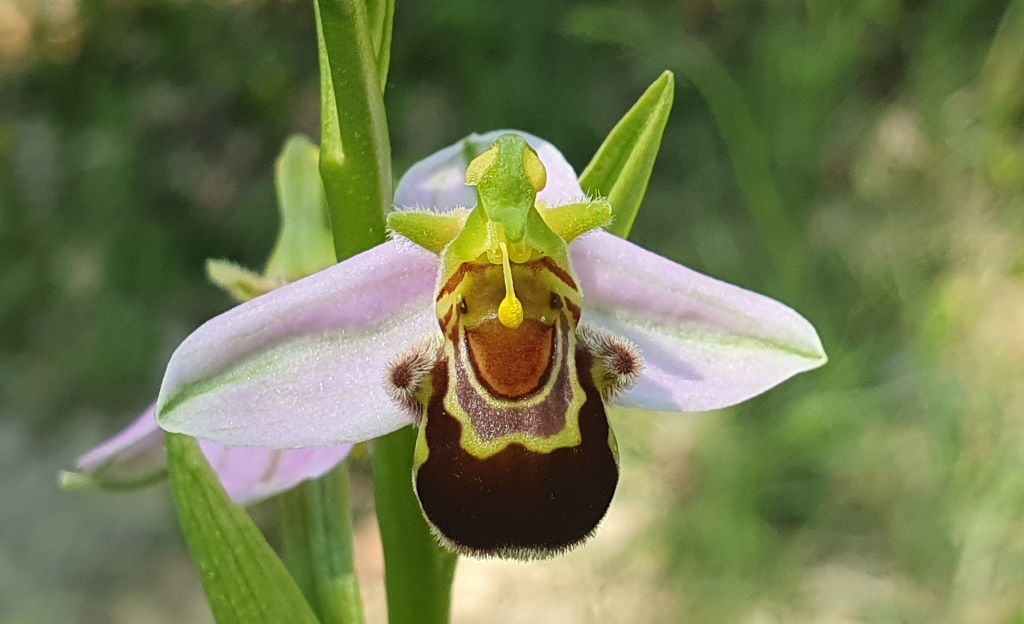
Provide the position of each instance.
(502, 332)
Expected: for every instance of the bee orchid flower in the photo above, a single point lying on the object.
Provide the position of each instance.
(501, 321)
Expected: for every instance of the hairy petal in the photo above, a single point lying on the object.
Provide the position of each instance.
(706, 344)
(304, 365)
(439, 180)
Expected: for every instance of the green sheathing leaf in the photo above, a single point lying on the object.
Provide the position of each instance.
(621, 168)
(244, 580)
(355, 153)
(316, 521)
(419, 571)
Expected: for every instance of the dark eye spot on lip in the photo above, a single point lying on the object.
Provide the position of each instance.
(462, 305)
(556, 302)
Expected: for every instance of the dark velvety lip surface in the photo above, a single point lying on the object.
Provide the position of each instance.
(516, 502)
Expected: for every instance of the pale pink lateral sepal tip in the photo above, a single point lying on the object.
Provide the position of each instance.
(706, 344)
(136, 456)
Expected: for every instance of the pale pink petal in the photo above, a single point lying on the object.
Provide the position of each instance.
(137, 457)
(132, 458)
(304, 365)
(439, 180)
(253, 474)
(707, 344)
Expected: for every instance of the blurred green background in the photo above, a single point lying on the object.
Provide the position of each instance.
(860, 160)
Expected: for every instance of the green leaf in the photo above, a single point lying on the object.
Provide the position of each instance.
(244, 580)
(621, 168)
(316, 519)
(419, 571)
(355, 153)
(123, 478)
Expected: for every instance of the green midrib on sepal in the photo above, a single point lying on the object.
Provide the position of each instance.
(811, 353)
(78, 482)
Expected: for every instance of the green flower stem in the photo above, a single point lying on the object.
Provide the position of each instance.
(355, 152)
(355, 163)
(316, 520)
(419, 571)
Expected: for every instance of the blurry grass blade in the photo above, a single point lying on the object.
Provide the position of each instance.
(1002, 80)
(1003, 73)
(419, 571)
(316, 521)
(78, 482)
(304, 244)
(355, 153)
(748, 147)
(621, 168)
(244, 580)
(381, 18)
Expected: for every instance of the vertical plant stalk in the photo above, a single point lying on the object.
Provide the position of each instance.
(316, 520)
(355, 151)
(355, 163)
(419, 571)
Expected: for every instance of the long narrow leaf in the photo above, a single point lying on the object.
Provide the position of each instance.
(244, 580)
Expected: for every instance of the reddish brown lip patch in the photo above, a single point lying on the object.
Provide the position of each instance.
(516, 503)
(511, 363)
